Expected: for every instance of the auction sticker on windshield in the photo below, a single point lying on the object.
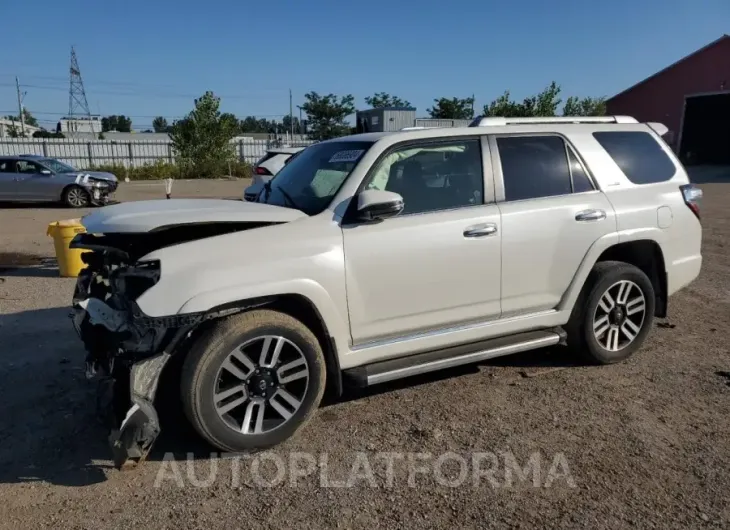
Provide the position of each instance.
(351, 155)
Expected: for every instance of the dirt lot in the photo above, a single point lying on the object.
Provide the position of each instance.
(645, 443)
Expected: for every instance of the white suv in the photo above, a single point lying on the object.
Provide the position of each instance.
(379, 256)
(266, 169)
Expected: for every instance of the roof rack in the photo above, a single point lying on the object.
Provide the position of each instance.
(495, 121)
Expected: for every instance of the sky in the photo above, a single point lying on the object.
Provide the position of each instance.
(153, 57)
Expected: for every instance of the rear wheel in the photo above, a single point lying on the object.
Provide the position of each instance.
(253, 381)
(614, 314)
(76, 197)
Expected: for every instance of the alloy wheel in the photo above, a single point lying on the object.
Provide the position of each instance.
(261, 384)
(76, 197)
(619, 315)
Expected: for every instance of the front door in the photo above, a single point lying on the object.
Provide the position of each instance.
(438, 263)
(552, 213)
(34, 185)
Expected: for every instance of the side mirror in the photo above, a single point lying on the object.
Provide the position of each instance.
(46, 172)
(376, 205)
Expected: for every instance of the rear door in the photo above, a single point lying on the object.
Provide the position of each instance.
(552, 213)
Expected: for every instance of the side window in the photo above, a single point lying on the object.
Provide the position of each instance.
(31, 168)
(581, 181)
(433, 177)
(534, 167)
(638, 154)
(7, 166)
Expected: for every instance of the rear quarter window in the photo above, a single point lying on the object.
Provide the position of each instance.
(638, 154)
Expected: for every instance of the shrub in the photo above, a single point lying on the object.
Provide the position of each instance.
(164, 170)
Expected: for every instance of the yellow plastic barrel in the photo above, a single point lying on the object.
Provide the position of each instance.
(69, 260)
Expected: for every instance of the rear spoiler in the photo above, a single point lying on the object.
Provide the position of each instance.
(658, 128)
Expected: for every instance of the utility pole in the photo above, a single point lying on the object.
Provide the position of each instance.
(291, 116)
(20, 107)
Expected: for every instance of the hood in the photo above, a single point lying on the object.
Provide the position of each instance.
(147, 216)
(101, 175)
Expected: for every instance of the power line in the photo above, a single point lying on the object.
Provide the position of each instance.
(166, 95)
(166, 116)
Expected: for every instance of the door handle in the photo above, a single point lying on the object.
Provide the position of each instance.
(590, 215)
(481, 230)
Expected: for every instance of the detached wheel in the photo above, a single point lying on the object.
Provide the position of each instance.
(76, 197)
(614, 314)
(253, 381)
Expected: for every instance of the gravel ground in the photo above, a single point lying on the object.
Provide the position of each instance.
(643, 443)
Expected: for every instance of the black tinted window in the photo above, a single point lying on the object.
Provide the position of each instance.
(581, 182)
(638, 155)
(433, 177)
(534, 166)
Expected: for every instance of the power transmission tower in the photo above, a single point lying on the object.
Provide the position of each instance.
(77, 104)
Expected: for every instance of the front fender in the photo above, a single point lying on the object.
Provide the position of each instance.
(334, 317)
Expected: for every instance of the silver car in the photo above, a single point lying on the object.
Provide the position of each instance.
(37, 178)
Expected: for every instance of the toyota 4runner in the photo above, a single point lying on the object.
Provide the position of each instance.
(380, 256)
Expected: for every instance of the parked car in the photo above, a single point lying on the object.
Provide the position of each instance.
(381, 256)
(267, 167)
(38, 178)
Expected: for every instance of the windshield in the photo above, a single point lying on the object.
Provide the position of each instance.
(310, 180)
(56, 166)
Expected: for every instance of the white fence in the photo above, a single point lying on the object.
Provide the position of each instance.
(90, 153)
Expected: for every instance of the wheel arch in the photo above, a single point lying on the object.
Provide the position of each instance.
(297, 306)
(642, 249)
(646, 255)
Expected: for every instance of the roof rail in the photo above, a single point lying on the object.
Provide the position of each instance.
(495, 121)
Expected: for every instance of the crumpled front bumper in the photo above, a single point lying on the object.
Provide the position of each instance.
(127, 381)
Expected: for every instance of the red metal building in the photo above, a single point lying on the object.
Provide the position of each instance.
(692, 98)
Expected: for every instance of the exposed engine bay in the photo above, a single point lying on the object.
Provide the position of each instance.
(126, 349)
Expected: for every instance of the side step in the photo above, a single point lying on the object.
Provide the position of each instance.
(431, 361)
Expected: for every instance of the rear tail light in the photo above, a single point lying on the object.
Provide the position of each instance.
(262, 171)
(692, 195)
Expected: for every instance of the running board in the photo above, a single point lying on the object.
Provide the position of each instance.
(421, 363)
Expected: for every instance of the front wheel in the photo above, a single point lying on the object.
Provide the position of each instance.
(253, 380)
(614, 314)
(76, 197)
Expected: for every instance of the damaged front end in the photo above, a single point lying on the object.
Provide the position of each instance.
(126, 350)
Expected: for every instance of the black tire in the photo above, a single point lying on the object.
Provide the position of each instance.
(580, 328)
(76, 197)
(202, 365)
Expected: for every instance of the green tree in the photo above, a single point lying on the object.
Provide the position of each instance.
(287, 122)
(43, 133)
(27, 117)
(545, 103)
(326, 114)
(452, 109)
(575, 106)
(118, 123)
(202, 140)
(383, 99)
(503, 106)
(160, 125)
(14, 131)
